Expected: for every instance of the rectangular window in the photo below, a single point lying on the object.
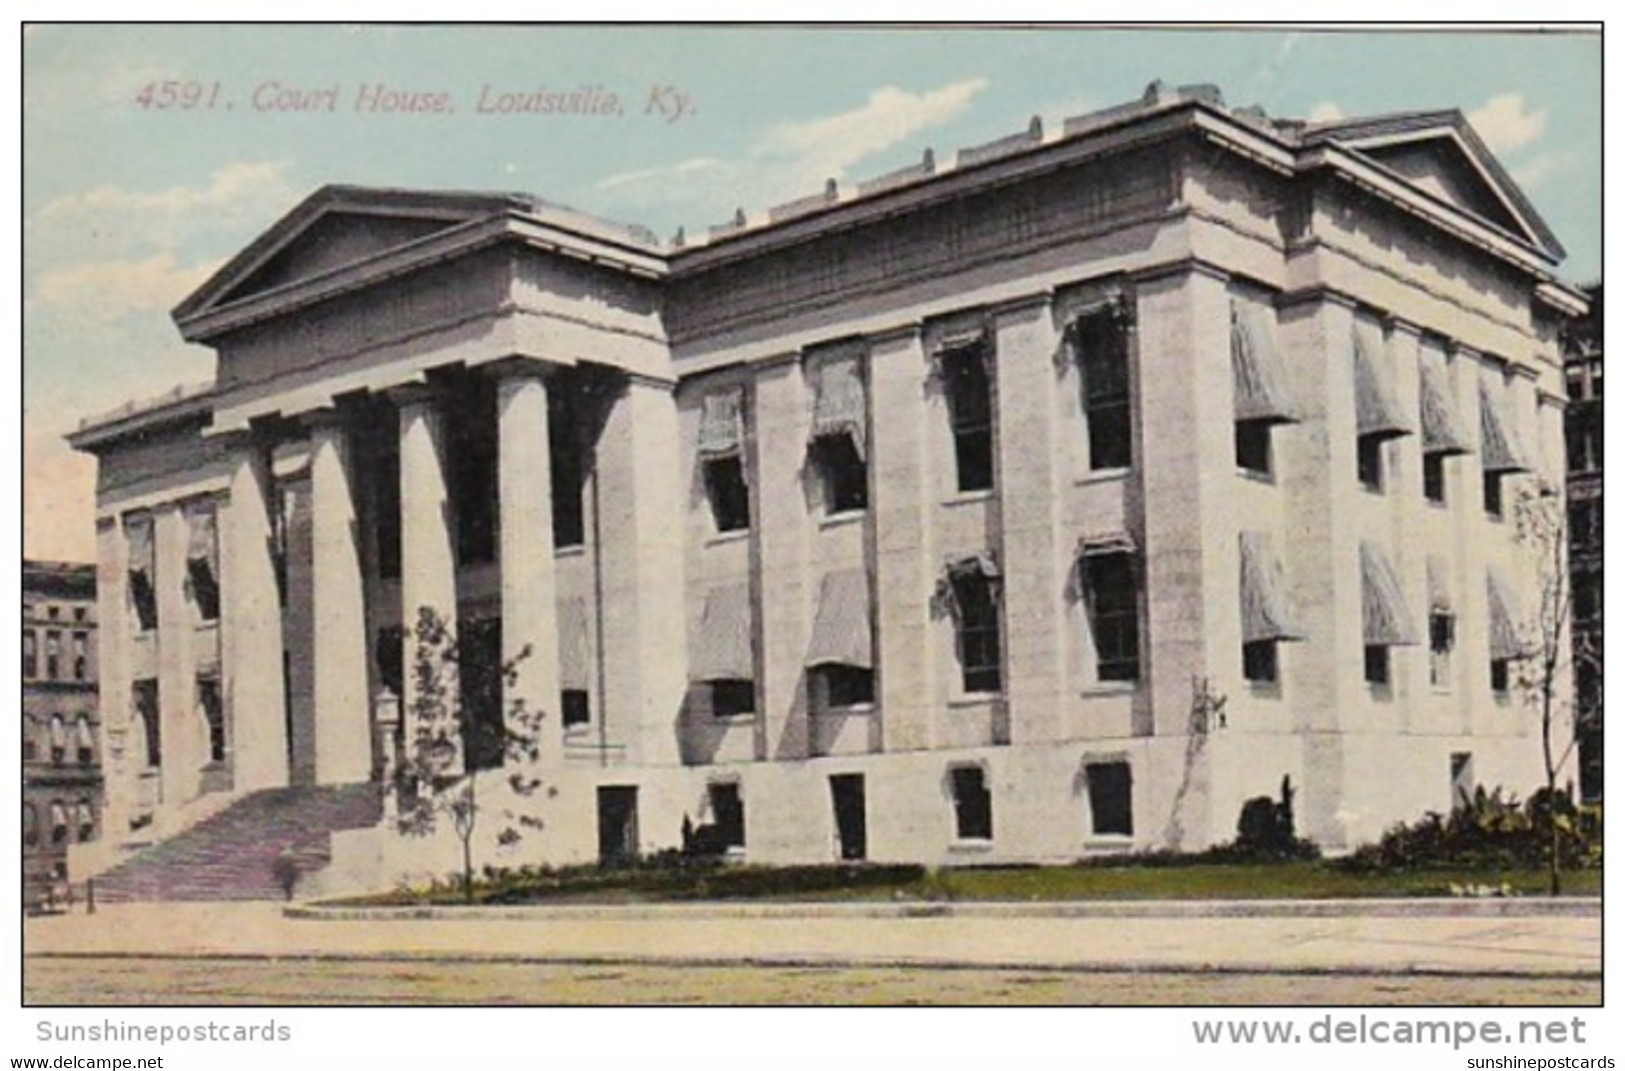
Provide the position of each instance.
(566, 452)
(1111, 798)
(973, 804)
(205, 589)
(1492, 493)
(149, 737)
(727, 814)
(1369, 460)
(733, 698)
(85, 736)
(575, 706)
(976, 601)
(1114, 611)
(1441, 642)
(1260, 661)
(844, 474)
(1433, 486)
(1462, 782)
(1376, 665)
(1102, 341)
(53, 655)
(728, 493)
(970, 411)
(1253, 448)
(81, 656)
(846, 686)
(30, 655)
(1500, 676)
(214, 716)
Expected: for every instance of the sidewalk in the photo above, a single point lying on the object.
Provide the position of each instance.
(1561, 939)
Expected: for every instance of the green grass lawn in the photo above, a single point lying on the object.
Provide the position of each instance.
(1306, 880)
(1280, 881)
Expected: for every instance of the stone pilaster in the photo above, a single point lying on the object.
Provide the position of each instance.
(1030, 509)
(906, 565)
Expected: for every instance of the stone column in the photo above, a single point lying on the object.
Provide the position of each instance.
(428, 547)
(255, 691)
(525, 512)
(641, 569)
(114, 680)
(1030, 507)
(177, 685)
(343, 737)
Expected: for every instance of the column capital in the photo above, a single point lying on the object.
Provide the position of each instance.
(326, 418)
(404, 395)
(520, 366)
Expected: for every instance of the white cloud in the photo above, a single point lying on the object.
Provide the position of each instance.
(1506, 123)
(59, 497)
(110, 220)
(105, 291)
(1537, 169)
(1327, 111)
(795, 157)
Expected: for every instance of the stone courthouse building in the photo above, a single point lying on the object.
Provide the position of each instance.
(1049, 503)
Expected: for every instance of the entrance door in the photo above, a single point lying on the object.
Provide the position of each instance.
(851, 827)
(617, 824)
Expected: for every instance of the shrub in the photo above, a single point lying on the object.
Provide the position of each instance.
(1489, 830)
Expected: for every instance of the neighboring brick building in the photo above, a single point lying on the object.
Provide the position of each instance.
(1583, 365)
(62, 780)
(1051, 503)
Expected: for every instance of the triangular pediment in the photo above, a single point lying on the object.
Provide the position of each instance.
(335, 228)
(1440, 154)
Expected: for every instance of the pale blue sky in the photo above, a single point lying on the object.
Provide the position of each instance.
(126, 208)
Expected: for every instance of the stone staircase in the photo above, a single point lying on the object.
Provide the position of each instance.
(232, 855)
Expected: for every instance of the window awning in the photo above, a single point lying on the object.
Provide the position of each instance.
(1262, 391)
(574, 664)
(1266, 608)
(963, 571)
(973, 338)
(1506, 642)
(59, 731)
(842, 406)
(983, 563)
(138, 530)
(1386, 618)
(722, 424)
(85, 734)
(723, 648)
(1376, 399)
(1439, 600)
(841, 633)
(1099, 544)
(1501, 451)
(1442, 431)
(202, 545)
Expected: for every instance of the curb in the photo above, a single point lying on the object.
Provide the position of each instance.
(1561, 907)
(813, 961)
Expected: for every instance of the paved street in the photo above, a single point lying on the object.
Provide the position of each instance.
(218, 952)
(127, 981)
